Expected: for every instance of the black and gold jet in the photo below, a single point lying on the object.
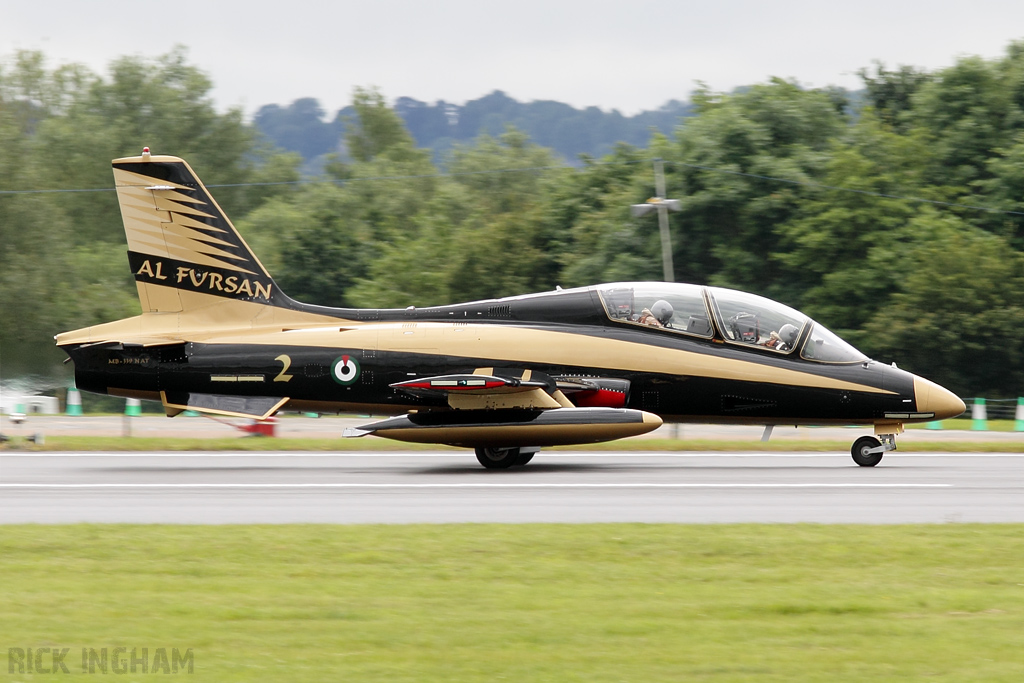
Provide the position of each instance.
(505, 376)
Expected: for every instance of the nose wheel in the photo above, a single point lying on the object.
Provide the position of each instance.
(867, 451)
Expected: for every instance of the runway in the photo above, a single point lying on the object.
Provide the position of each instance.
(225, 488)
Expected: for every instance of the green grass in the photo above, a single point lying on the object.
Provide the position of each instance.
(594, 603)
(967, 424)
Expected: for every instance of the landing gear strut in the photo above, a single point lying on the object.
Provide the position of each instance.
(503, 458)
(867, 451)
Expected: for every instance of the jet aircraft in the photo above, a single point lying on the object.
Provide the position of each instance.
(504, 376)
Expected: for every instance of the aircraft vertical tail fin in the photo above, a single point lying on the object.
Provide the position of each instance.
(182, 248)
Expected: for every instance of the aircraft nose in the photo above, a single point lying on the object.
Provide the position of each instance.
(931, 398)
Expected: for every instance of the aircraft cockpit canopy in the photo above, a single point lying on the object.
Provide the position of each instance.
(669, 305)
(742, 318)
(751, 319)
(827, 347)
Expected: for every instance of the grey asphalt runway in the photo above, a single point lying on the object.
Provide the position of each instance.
(216, 488)
(331, 427)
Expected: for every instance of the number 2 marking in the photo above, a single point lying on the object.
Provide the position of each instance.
(287, 363)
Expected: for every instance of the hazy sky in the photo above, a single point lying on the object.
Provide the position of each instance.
(626, 55)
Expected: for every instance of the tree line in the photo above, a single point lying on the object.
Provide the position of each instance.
(896, 220)
(301, 126)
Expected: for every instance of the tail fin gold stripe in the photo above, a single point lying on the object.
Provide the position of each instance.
(168, 205)
(128, 179)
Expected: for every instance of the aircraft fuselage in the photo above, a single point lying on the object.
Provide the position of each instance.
(504, 376)
(679, 378)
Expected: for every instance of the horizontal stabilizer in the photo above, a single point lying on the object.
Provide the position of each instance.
(511, 428)
(257, 407)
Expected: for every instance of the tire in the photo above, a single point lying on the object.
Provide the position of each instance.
(497, 458)
(860, 454)
(524, 458)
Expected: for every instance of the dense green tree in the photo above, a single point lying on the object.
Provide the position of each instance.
(959, 310)
(965, 109)
(298, 127)
(33, 229)
(428, 123)
(62, 259)
(313, 242)
(483, 233)
(567, 131)
(162, 104)
(890, 93)
(1003, 191)
(509, 243)
(840, 250)
(320, 239)
(598, 240)
(376, 130)
(742, 166)
(418, 268)
(900, 225)
(973, 114)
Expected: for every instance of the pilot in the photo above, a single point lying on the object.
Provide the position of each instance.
(658, 315)
(647, 318)
(784, 339)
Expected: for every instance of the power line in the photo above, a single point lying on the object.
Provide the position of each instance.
(314, 181)
(821, 186)
(711, 169)
(96, 189)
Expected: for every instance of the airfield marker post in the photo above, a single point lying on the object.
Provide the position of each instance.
(133, 407)
(74, 402)
(1018, 422)
(979, 415)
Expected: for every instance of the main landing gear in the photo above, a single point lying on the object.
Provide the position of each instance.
(503, 458)
(867, 450)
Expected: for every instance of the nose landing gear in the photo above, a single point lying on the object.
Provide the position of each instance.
(867, 451)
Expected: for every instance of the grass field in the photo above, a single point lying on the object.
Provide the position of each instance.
(616, 602)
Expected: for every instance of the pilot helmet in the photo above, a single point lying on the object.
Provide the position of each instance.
(787, 333)
(662, 311)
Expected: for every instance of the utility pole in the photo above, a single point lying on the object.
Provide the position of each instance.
(662, 206)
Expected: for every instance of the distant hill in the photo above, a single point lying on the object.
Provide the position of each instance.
(301, 126)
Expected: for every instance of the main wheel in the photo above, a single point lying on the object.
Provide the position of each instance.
(524, 458)
(498, 458)
(860, 453)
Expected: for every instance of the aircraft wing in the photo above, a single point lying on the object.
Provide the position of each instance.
(518, 407)
(487, 389)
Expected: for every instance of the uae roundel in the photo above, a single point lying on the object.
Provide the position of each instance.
(345, 370)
